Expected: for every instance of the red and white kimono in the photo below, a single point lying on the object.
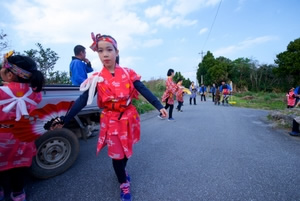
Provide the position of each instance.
(119, 121)
(171, 89)
(16, 99)
(179, 94)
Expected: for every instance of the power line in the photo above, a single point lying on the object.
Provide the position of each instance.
(212, 25)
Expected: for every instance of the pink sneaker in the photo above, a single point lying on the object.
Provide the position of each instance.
(125, 192)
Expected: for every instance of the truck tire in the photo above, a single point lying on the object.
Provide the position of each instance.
(57, 150)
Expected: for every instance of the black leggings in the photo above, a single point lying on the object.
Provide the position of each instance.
(15, 177)
(170, 110)
(119, 167)
(179, 105)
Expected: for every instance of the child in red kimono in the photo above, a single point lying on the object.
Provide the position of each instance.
(168, 96)
(120, 123)
(291, 98)
(19, 95)
(179, 95)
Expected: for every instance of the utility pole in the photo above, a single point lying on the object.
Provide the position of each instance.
(201, 53)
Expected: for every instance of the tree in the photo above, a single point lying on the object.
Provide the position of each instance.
(240, 73)
(185, 82)
(58, 77)
(203, 67)
(3, 41)
(267, 80)
(45, 59)
(289, 64)
(178, 76)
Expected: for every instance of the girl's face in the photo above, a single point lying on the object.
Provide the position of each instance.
(6, 76)
(107, 54)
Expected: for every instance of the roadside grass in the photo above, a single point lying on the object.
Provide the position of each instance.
(157, 87)
(260, 100)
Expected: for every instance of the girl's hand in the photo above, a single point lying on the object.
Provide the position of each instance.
(163, 112)
(56, 123)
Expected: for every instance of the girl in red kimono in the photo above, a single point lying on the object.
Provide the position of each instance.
(179, 95)
(119, 122)
(19, 95)
(168, 96)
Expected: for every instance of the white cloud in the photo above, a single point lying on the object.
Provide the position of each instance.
(202, 31)
(182, 40)
(173, 59)
(183, 7)
(248, 43)
(175, 21)
(58, 22)
(191, 75)
(154, 11)
(153, 43)
(173, 13)
(240, 5)
(129, 61)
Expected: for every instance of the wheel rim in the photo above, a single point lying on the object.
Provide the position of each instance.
(53, 153)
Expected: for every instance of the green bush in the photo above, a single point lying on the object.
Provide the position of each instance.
(267, 98)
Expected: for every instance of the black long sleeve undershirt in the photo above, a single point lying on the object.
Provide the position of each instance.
(138, 85)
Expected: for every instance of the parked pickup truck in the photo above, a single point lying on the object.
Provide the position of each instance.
(58, 149)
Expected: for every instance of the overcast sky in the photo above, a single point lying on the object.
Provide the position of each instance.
(154, 36)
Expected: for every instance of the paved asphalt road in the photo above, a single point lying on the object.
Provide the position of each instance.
(209, 153)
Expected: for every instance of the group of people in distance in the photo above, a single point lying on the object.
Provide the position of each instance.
(219, 94)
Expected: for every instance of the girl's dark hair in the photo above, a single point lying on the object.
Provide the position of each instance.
(179, 80)
(118, 57)
(36, 79)
(170, 71)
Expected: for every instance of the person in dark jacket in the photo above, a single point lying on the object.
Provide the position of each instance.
(202, 91)
(213, 92)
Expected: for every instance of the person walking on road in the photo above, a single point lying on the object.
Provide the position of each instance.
(213, 92)
(116, 86)
(179, 95)
(225, 91)
(202, 91)
(80, 66)
(218, 96)
(193, 90)
(169, 94)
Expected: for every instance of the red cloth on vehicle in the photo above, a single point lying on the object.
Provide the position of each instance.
(13, 152)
